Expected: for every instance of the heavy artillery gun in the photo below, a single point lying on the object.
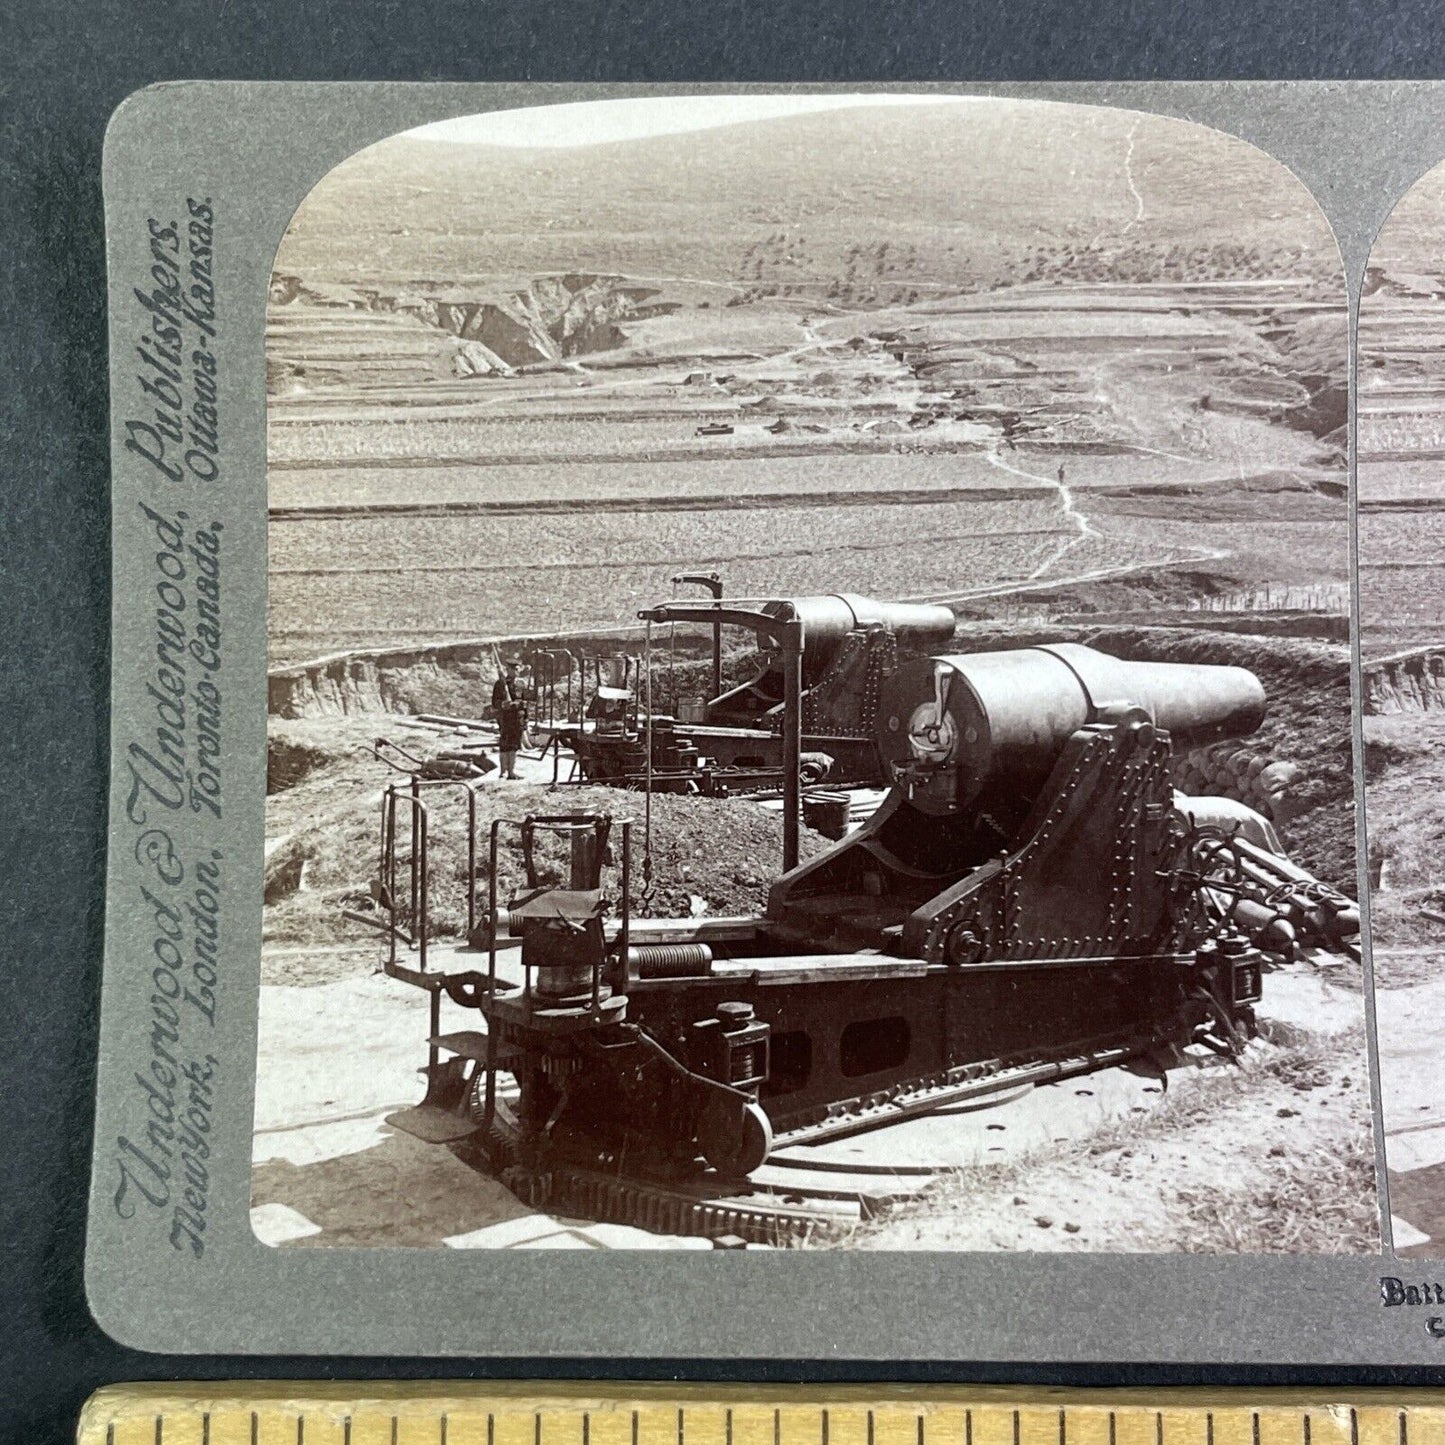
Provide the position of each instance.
(732, 740)
(1029, 903)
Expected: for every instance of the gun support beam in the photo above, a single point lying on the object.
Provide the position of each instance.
(714, 586)
(786, 631)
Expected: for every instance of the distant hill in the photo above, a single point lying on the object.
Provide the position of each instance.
(1401, 356)
(1408, 256)
(877, 200)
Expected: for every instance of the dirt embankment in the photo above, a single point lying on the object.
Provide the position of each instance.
(403, 680)
(708, 855)
(453, 678)
(1405, 812)
(1306, 681)
(553, 318)
(1411, 681)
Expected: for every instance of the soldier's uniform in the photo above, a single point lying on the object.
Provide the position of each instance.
(511, 710)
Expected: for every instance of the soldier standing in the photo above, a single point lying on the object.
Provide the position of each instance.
(511, 710)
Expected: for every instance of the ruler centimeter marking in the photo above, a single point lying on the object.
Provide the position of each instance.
(376, 1413)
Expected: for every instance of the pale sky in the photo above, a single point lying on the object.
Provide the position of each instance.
(596, 121)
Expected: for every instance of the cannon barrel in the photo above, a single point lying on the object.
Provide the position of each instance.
(952, 726)
(827, 620)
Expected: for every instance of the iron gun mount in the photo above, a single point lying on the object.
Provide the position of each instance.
(1029, 903)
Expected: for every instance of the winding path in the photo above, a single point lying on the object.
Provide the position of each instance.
(1084, 528)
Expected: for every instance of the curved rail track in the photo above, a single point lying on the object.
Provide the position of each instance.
(797, 1195)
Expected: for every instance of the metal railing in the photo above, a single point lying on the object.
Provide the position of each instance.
(405, 810)
(418, 911)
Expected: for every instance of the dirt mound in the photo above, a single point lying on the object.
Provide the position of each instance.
(1396, 745)
(288, 761)
(1405, 782)
(708, 856)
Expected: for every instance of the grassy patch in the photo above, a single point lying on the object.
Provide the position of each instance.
(1405, 792)
(1320, 1203)
(1274, 1156)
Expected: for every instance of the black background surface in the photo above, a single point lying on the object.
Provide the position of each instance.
(63, 69)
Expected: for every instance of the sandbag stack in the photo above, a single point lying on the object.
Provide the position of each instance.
(1227, 770)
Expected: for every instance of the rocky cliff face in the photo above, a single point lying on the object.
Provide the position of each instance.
(454, 678)
(418, 680)
(553, 318)
(1411, 681)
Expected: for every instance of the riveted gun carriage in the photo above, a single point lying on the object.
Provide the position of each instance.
(1028, 903)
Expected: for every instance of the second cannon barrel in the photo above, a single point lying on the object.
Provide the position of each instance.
(952, 725)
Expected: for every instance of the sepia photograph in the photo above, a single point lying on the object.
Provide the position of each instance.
(1402, 655)
(809, 688)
